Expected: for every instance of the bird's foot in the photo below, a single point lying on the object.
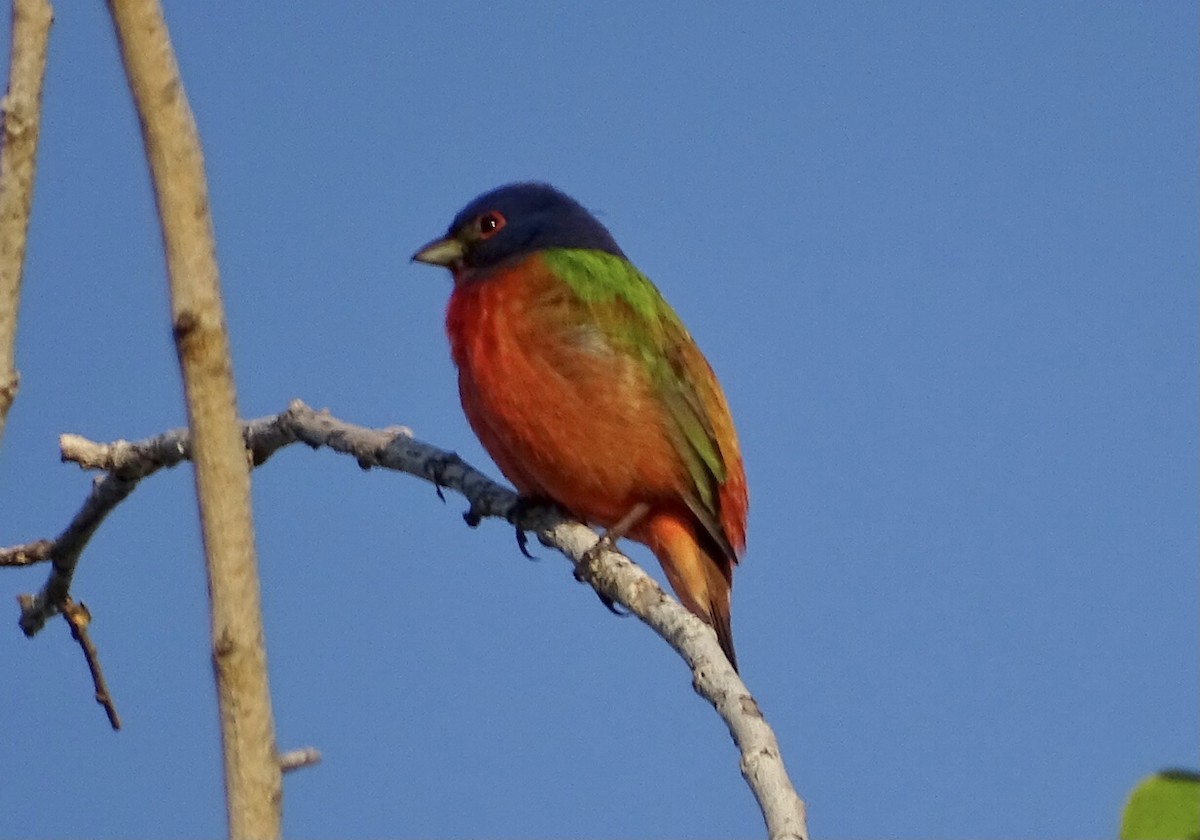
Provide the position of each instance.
(516, 516)
(611, 606)
(436, 469)
(625, 524)
(472, 515)
(608, 542)
(582, 575)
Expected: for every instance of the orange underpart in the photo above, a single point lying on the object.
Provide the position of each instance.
(568, 418)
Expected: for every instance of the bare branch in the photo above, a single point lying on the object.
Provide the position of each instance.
(26, 555)
(253, 783)
(125, 464)
(609, 572)
(77, 615)
(22, 105)
(299, 759)
(107, 492)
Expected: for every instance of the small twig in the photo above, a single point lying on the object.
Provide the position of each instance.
(297, 759)
(26, 555)
(77, 615)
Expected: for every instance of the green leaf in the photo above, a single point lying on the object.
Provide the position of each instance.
(1165, 806)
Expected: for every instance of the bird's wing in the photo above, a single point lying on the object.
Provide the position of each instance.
(636, 320)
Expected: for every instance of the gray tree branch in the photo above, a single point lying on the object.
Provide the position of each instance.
(609, 572)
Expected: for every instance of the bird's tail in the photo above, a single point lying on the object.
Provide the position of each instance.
(702, 582)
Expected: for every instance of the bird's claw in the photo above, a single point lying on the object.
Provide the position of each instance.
(516, 515)
(583, 573)
(523, 542)
(436, 469)
(472, 516)
(611, 606)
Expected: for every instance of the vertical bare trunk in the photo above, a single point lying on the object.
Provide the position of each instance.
(252, 774)
(22, 105)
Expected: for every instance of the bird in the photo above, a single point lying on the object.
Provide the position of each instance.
(588, 392)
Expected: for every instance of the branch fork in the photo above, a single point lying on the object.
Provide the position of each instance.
(613, 575)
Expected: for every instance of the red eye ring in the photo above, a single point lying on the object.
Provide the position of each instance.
(489, 224)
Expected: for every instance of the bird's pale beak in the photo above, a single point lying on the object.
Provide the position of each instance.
(447, 252)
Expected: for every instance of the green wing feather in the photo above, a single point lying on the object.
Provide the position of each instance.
(637, 320)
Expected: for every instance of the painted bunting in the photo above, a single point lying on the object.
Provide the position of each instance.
(587, 390)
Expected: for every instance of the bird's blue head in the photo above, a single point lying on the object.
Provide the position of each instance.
(514, 220)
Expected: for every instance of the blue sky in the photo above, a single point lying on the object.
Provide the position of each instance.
(943, 257)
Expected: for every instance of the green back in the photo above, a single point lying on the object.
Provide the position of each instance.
(636, 320)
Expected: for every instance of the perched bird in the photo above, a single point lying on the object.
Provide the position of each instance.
(587, 391)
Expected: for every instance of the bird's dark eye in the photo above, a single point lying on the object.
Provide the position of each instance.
(489, 224)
